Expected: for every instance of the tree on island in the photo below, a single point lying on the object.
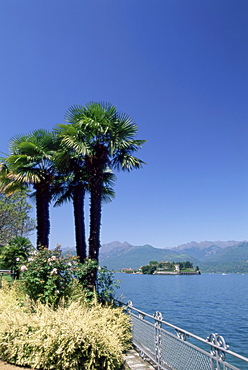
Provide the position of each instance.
(166, 266)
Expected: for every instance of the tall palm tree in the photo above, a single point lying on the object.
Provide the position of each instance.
(30, 163)
(72, 184)
(105, 138)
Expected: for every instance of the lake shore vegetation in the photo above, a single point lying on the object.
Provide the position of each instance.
(76, 335)
(56, 322)
(76, 157)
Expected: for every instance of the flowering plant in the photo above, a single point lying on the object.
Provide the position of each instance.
(48, 276)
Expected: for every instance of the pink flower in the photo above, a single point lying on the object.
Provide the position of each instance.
(23, 268)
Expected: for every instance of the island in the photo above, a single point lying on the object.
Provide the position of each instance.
(165, 268)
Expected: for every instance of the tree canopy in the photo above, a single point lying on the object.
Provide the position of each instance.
(15, 219)
(76, 157)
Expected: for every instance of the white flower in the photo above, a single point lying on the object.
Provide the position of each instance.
(54, 271)
(30, 259)
(53, 258)
(23, 268)
(17, 259)
(57, 291)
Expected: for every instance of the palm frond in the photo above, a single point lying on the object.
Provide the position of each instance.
(74, 113)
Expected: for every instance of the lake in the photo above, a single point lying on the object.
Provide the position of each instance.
(201, 304)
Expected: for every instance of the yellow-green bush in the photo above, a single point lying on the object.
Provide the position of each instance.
(73, 337)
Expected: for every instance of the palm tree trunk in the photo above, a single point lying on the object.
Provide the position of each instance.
(78, 207)
(95, 223)
(42, 214)
(96, 185)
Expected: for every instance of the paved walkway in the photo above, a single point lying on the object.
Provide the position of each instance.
(134, 362)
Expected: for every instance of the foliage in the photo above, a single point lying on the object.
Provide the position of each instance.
(75, 336)
(227, 267)
(165, 266)
(47, 276)
(30, 164)
(185, 265)
(148, 269)
(15, 254)
(14, 217)
(105, 140)
(74, 158)
(106, 284)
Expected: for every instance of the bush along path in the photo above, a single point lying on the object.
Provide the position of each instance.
(55, 323)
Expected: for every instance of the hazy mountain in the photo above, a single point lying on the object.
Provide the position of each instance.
(206, 244)
(230, 256)
(118, 255)
(236, 253)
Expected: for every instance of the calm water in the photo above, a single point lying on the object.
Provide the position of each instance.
(205, 304)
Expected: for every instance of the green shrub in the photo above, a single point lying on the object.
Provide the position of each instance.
(48, 276)
(75, 336)
(106, 285)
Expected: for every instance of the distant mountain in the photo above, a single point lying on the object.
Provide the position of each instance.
(217, 256)
(224, 256)
(236, 253)
(118, 255)
(205, 244)
(203, 251)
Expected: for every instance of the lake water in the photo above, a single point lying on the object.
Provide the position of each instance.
(201, 304)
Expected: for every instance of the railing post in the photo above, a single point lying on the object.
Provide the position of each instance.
(129, 307)
(218, 354)
(158, 337)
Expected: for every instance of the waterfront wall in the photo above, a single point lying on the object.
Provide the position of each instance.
(177, 273)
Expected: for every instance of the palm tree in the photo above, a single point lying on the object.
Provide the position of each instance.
(30, 163)
(105, 138)
(72, 184)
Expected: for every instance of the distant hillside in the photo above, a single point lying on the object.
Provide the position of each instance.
(128, 256)
(217, 256)
(206, 244)
(204, 251)
(236, 253)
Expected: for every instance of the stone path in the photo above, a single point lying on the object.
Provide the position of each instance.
(134, 362)
(5, 366)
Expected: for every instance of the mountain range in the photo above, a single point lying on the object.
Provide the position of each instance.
(217, 256)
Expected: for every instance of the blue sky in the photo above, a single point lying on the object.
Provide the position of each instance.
(178, 68)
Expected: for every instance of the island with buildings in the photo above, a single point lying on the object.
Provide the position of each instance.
(165, 268)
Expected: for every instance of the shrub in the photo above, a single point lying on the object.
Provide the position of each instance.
(14, 253)
(75, 336)
(106, 284)
(48, 276)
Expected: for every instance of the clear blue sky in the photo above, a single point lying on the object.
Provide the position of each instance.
(179, 68)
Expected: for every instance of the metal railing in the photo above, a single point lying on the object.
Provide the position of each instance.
(172, 348)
